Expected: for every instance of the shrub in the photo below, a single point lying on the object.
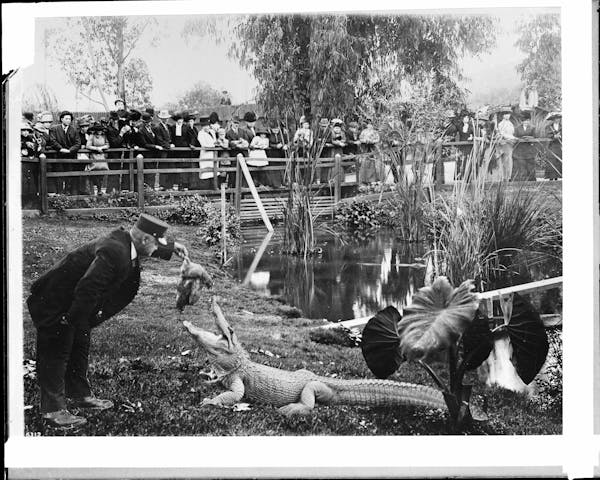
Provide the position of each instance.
(191, 210)
(59, 203)
(210, 229)
(358, 216)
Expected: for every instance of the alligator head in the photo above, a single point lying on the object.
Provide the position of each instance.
(193, 278)
(224, 350)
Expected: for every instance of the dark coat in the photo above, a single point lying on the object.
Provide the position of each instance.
(144, 138)
(90, 284)
(181, 140)
(163, 136)
(115, 140)
(465, 136)
(57, 138)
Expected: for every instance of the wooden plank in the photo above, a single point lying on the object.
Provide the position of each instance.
(140, 180)
(84, 173)
(255, 194)
(491, 295)
(43, 183)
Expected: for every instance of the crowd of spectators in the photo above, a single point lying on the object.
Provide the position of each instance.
(206, 138)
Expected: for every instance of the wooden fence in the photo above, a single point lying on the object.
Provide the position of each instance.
(135, 163)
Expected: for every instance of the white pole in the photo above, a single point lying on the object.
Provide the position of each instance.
(257, 200)
(223, 223)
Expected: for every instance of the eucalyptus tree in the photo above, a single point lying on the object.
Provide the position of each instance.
(98, 56)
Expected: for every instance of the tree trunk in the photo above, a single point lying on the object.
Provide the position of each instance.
(120, 48)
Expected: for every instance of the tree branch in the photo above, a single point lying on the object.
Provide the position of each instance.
(91, 99)
(134, 42)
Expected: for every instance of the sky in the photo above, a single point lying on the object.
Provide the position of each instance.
(176, 65)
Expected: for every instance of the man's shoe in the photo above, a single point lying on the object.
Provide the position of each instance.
(63, 419)
(92, 403)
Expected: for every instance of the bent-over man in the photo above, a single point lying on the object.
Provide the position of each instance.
(86, 287)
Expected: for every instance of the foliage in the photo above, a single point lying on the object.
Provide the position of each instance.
(489, 233)
(210, 230)
(100, 56)
(358, 216)
(540, 40)
(436, 319)
(325, 64)
(443, 319)
(60, 202)
(191, 210)
(550, 394)
(200, 96)
(39, 97)
(331, 336)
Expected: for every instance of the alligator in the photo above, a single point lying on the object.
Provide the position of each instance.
(294, 392)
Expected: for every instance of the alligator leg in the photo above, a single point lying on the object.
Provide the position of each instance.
(312, 392)
(228, 398)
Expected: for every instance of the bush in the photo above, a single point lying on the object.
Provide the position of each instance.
(190, 211)
(358, 216)
(59, 203)
(210, 229)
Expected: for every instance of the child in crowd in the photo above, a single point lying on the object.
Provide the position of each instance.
(258, 155)
(303, 138)
(97, 144)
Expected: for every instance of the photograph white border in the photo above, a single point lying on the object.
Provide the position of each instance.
(575, 452)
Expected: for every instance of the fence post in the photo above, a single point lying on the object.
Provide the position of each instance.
(224, 223)
(337, 190)
(439, 166)
(238, 186)
(215, 172)
(131, 170)
(43, 183)
(140, 180)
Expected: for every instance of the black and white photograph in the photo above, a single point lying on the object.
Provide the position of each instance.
(309, 225)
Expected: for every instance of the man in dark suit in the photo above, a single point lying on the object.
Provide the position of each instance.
(65, 139)
(162, 131)
(144, 137)
(86, 287)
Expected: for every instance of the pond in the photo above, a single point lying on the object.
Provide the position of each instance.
(345, 280)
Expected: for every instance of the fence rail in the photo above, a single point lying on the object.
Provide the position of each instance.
(136, 162)
(485, 297)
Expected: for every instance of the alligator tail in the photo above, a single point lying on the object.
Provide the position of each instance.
(382, 393)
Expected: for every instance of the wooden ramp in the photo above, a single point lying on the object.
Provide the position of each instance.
(274, 206)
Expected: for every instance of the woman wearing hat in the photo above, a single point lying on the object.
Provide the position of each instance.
(554, 157)
(207, 155)
(97, 144)
(506, 132)
(29, 170)
(258, 156)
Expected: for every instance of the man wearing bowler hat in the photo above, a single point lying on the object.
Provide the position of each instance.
(86, 287)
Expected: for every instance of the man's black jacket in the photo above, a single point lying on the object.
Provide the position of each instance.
(90, 284)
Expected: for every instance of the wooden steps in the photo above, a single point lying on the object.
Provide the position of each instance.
(274, 206)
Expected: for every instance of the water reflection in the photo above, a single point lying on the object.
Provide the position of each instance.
(346, 280)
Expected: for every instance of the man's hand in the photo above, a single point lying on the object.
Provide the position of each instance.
(180, 250)
(64, 150)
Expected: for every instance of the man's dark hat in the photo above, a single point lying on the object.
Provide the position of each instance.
(146, 117)
(149, 110)
(525, 115)
(204, 121)
(214, 118)
(249, 117)
(28, 116)
(112, 115)
(236, 119)
(177, 116)
(152, 226)
(135, 115)
(64, 113)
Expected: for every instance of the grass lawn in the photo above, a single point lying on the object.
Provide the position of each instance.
(145, 363)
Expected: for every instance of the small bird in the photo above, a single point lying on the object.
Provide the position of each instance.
(193, 278)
